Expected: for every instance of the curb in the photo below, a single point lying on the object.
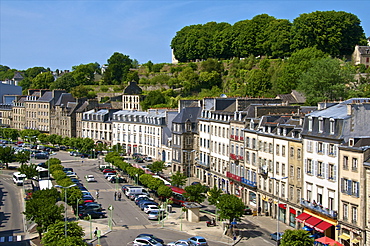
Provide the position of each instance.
(94, 239)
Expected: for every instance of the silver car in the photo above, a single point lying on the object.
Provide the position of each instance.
(181, 242)
(145, 241)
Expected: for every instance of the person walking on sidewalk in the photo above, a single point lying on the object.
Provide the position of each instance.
(115, 195)
(119, 196)
(96, 232)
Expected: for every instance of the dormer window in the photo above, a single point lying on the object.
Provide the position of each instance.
(279, 131)
(321, 125)
(310, 124)
(284, 132)
(332, 126)
(351, 142)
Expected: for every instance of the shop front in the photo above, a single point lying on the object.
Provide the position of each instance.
(282, 212)
(319, 226)
(292, 215)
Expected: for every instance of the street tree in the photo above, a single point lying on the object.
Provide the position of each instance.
(66, 82)
(22, 157)
(230, 207)
(6, 155)
(55, 235)
(44, 212)
(296, 238)
(178, 179)
(157, 166)
(164, 191)
(29, 170)
(215, 194)
(195, 193)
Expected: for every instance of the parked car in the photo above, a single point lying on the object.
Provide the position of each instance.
(276, 236)
(92, 213)
(181, 242)
(153, 215)
(148, 159)
(145, 241)
(106, 175)
(139, 199)
(198, 240)
(117, 180)
(67, 169)
(150, 207)
(90, 178)
(151, 236)
(109, 171)
(90, 206)
(41, 156)
(141, 204)
(248, 211)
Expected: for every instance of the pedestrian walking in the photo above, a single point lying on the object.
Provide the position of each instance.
(97, 194)
(119, 196)
(96, 232)
(115, 195)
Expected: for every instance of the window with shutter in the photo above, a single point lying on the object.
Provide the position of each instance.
(342, 185)
(349, 190)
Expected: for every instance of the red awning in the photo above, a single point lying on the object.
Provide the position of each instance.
(322, 226)
(283, 206)
(302, 217)
(311, 222)
(292, 211)
(328, 241)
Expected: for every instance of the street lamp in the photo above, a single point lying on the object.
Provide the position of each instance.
(277, 210)
(78, 202)
(65, 197)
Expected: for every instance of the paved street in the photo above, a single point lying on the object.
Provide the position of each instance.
(129, 221)
(11, 220)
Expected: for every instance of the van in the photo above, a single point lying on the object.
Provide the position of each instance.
(135, 190)
(18, 178)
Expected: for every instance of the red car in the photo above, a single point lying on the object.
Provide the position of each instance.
(109, 171)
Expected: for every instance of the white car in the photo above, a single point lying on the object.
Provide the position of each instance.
(181, 242)
(150, 208)
(90, 178)
(109, 174)
(145, 241)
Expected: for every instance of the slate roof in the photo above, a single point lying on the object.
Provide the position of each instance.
(132, 89)
(64, 99)
(364, 50)
(47, 97)
(338, 111)
(189, 113)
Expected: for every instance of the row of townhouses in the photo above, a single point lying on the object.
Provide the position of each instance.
(305, 166)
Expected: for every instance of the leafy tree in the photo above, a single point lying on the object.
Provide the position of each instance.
(117, 70)
(29, 135)
(178, 179)
(42, 81)
(333, 32)
(164, 191)
(22, 157)
(154, 183)
(44, 212)
(325, 80)
(195, 193)
(43, 138)
(66, 82)
(153, 98)
(84, 74)
(6, 155)
(55, 235)
(215, 194)
(29, 170)
(156, 166)
(80, 91)
(34, 71)
(294, 67)
(230, 207)
(278, 38)
(296, 238)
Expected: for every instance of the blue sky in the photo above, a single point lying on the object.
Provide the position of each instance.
(63, 33)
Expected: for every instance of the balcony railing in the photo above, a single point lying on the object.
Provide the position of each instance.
(318, 208)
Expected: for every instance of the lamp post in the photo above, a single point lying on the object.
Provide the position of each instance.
(65, 197)
(78, 202)
(277, 211)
